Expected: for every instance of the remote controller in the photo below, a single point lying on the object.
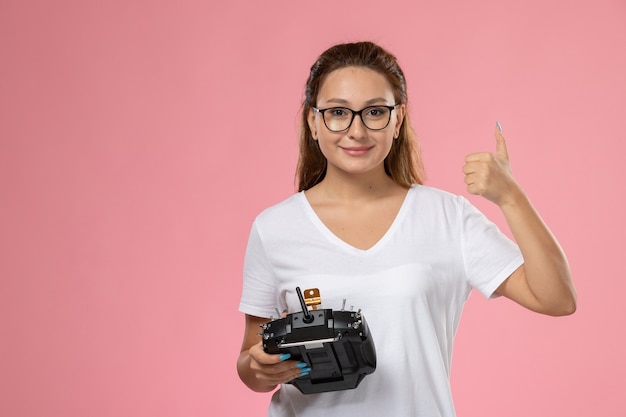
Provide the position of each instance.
(336, 345)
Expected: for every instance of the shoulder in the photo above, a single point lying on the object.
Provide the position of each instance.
(430, 196)
(280, 212)
(437, 207)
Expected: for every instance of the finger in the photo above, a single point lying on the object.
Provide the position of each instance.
(480, 165)
(470, 168)
(501, 150)
(274, 377)
(258, 354)
(474, 179)
(290, 370)
(477, 157)
(474, 188)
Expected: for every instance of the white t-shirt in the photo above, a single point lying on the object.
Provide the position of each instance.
(410, 286)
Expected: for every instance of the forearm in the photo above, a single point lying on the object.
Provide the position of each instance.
(545, 264)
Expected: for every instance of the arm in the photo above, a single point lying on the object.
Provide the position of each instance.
(260, 371)
(543, 284)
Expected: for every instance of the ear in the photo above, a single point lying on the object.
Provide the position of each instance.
(400, 113)
(312, 125)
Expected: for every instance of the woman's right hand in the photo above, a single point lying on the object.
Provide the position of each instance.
(261, 371)
(274, 369)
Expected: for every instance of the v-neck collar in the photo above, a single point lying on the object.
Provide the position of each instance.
(336, 240)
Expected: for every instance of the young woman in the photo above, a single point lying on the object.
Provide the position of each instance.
(363, 228)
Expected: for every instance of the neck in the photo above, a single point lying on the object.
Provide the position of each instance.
(355, 188)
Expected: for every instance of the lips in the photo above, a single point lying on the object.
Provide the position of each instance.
(357, 150)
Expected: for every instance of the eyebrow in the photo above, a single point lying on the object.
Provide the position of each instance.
(368, 102)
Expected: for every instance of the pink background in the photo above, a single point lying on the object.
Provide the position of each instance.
(138, 140)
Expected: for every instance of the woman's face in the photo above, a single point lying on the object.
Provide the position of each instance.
(357, 149)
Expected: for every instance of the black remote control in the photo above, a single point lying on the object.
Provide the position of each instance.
(336, 345)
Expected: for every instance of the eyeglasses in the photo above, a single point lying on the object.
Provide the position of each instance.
(338, 119)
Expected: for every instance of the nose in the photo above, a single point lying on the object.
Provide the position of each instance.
(357, 129)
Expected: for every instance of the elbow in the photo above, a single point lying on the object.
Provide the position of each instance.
(563, 311)
(564, 303)
(570, 308)
(564, 308)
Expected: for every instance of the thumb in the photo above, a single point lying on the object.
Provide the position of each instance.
(501, 150)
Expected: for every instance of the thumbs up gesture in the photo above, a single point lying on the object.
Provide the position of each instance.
(489, 174)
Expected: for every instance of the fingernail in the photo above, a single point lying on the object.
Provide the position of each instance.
(499, 127)
(305, 371)
(284, 356)
(301, 365)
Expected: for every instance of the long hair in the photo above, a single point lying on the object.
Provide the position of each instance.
(404, 162)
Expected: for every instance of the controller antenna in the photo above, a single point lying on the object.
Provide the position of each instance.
(308, 317)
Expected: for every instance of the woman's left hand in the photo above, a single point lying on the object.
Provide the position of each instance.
(489, 174)
(543, 284)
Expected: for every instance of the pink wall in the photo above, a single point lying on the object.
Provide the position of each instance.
(137, 144)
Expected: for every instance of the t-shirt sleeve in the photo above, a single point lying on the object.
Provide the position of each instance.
(490, 257)
(258, 293)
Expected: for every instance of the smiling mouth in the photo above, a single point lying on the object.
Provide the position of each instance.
(357, 150)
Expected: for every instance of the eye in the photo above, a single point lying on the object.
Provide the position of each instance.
(338, 112)
(376, 111)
